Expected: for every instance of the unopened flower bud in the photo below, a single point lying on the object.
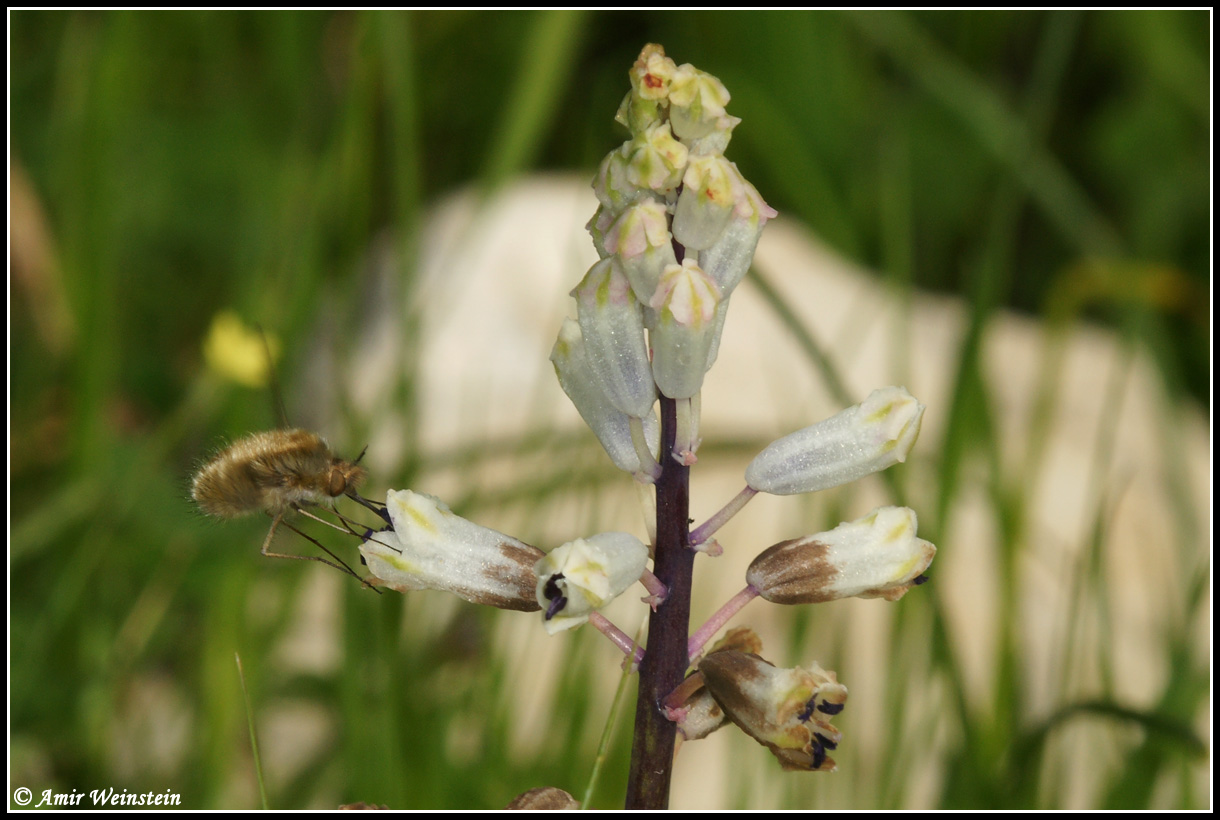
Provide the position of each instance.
(584, 575)
(429, 547)
(877, 556)
(717, 140)
(641, 239)
(637, 113)
(612, 324)
(613, 184)
(611, 426)
(786, 710)
(652, 73)
(650, 78)
(728, 259)
(707, 201)
(686, 302)
(858, 441)
(696, 101)
(655, 159)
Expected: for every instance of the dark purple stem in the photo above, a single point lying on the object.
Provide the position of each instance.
(664, 666)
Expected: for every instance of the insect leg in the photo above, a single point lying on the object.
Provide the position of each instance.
(341, 565)
(349, 526)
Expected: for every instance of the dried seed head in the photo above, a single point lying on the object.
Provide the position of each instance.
(546, 798)
(786, 710)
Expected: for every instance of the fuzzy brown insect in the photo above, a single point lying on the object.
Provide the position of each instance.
(276, 472)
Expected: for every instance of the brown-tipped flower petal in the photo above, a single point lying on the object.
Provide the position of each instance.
(428, 547)
(786, 710)
(877, 556)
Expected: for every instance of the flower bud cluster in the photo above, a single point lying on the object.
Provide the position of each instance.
(676, 229)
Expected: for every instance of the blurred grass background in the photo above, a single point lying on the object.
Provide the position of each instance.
(167, 166)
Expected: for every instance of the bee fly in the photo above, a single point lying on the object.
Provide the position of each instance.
(278, 472)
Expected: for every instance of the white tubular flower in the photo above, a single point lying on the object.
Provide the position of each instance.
(613, 184)
(696, 102)
(786, 710)
(584, 575)
(859, 441)
(655, 159)
(707, 202)
(641, 239)
(612, 324)
(431, 548)
(686, 302)
(728, 259)
(611, 426)
(877, 556)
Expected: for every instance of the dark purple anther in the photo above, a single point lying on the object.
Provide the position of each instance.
(557, 604)
(807, 712)
(552, 593)
(819, 756)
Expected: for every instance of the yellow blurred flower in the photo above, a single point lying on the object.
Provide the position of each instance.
(237, 352)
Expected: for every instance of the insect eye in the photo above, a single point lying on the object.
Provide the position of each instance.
(338, 483)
